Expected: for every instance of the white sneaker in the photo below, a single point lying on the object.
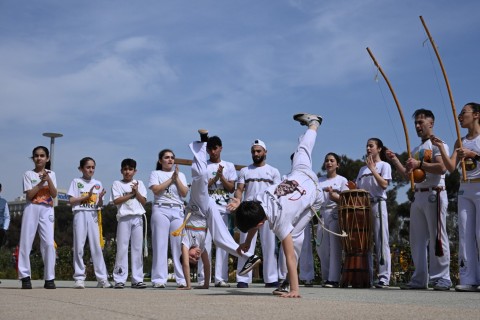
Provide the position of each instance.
(466, 288)
(306, 118)
(222, 284)
(104, 284)
(159, 285)
(79, 284)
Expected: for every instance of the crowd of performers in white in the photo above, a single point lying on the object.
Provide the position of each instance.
(352, 216)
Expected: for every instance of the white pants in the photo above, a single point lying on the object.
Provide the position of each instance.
(306, 267)
(329, 246)
(165, 220)
(41, 217)
(297, 245)
(301, 164)
(85, 224)
(268, 243)
(469, 233)
(199, 197)
(129, 230)
(423, 233)
(381, 240)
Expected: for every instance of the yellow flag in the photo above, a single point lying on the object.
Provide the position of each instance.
(100, 228)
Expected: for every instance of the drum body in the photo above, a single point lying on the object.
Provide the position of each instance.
(355, 219)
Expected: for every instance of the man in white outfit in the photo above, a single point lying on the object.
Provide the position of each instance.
(254, 179)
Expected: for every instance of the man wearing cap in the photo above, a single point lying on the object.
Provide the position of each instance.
(252, 180)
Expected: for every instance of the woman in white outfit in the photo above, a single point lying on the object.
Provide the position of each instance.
(169, 187)
(329, 246)
(468, 196)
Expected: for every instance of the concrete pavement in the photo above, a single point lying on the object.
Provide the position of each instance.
(255, 302)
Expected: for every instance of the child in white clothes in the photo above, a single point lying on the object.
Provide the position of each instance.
(374, 177)
(129, 196)
(40, 188)
(86, 197)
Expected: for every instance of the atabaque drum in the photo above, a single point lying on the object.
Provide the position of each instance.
(354, 219)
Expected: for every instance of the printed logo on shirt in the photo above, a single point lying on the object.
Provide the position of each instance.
(269, 181)
(80, 185)
(43, 197)
(97, 187)
(91, 202)
(289, 187)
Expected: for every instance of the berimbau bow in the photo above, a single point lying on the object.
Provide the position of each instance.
(457, 128)
(407, 140)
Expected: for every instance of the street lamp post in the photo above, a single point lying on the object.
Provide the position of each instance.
(52, 137)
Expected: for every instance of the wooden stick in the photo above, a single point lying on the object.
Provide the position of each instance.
(454, 111)
(405, 130)
(188, 162)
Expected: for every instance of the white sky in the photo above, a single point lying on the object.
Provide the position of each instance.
(129, 78)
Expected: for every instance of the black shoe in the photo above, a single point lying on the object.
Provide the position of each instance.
(203, 135)
(284, 288)
(271, 284)
(330, 284)
(26, 283)
(49, 284)
(242, 285)
(248, 266)
(381, 285)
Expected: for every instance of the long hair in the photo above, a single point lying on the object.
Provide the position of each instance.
(160, 156)
(83, 162)
(475, 107)
(383, 151)
(333, 154)
(45, 149)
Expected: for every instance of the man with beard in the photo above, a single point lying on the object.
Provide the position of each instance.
(428, 211)
(252, 180)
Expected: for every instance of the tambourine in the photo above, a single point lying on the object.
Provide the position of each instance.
(419, 175)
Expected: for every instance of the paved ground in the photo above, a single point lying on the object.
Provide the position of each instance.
(255, 302)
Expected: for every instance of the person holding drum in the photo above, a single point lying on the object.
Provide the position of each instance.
(428, 211)
(330, 246)
(374, 177)
(468, 196)
(287, 206)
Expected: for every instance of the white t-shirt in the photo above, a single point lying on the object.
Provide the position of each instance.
(216, 191)
(288, 203)
(338, 184)
(80, 188)
(31, 179)
(366, 180)
(429, 152)
(131, 206)
(474, 145)
(169, 195)
(195, 231)
(257, 179)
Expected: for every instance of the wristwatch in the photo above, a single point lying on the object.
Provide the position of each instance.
(477, 157)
